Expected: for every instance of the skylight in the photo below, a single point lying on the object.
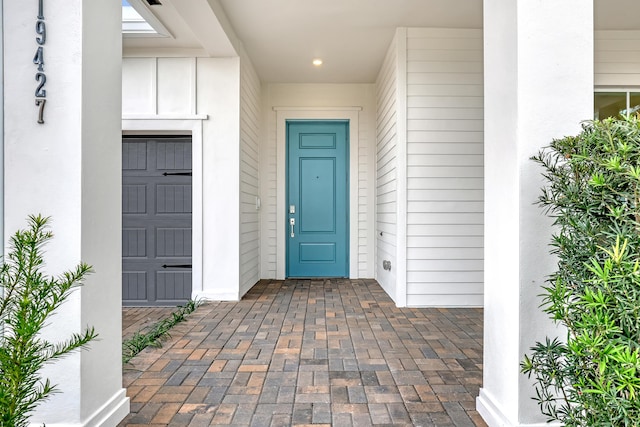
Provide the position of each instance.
(137, 20)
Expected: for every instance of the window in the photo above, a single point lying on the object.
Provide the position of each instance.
(615, 103)
(139, 21)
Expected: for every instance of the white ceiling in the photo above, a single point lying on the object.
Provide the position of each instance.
(351, 36)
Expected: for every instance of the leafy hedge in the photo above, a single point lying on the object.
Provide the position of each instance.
(591, 378)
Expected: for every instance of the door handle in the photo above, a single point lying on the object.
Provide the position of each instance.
(292, 223)
(177, 174)
(176, 266)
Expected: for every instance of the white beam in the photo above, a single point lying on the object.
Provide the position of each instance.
(207, 26)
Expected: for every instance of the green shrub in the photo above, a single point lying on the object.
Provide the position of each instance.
(592, 378)
(28, 298)
(157, 332)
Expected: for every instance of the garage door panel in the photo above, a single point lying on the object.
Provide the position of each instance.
(173, 285)
(134, 155)
(134, 242)
(134, 199)
(173, 242)
(173, 198)
(134, 285)
(156, 220)
(173, 156)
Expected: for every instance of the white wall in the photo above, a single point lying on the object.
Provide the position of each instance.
(250, 118)
(219, 97)
(69, 168)
(445, 167)
(318, 100)
(429, 177)
(208, 90)
(386, 170)
(617, 58)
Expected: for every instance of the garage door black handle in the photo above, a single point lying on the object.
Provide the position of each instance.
(176, 265)
(176, 174)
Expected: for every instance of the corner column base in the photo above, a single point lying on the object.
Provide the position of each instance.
(494, 416)
(108, 415)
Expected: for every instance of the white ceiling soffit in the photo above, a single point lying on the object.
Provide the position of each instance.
(351, 36)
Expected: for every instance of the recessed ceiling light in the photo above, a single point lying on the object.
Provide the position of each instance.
(317, 62)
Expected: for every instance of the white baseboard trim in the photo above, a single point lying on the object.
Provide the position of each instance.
(490, 411)
(108, 415)
(111, 413)
(215, 296)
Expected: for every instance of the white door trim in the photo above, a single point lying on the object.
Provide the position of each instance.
(166, 126)
(336, 113)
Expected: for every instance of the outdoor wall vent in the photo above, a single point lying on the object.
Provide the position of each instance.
(154, 3)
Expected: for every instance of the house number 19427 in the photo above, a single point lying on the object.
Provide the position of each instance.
(38, 59)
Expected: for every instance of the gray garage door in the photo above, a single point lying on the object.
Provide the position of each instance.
(156, 220)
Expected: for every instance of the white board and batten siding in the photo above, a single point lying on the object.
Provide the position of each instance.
(158, 86)
(386, 171)
(445, 188)
(250, 116)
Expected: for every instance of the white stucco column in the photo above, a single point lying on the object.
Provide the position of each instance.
(538, 66)
(69, 168)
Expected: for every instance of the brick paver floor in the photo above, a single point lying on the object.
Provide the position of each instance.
(140, 319)
(311, 352)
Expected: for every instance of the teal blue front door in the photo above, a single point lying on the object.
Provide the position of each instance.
(317, 198)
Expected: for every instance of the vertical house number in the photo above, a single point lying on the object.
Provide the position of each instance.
(38, 59)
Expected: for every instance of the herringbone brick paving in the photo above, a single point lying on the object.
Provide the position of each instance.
(311, 352)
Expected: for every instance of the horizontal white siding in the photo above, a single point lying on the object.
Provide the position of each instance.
(366, 193)
(445, 192)
(617, 58)
(268, 191)
(250, 106)
(386, 171)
